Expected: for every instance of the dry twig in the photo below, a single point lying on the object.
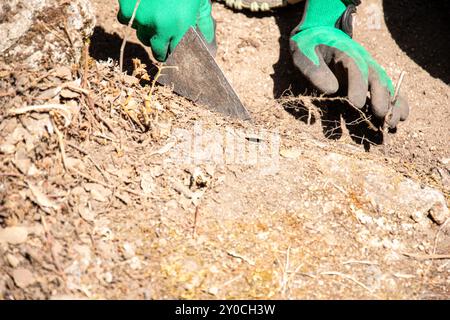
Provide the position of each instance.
(60, 108)
(391, 106)
(308, 102)
(61, 144)
(346, 276)
(125, 38)
(427, 256)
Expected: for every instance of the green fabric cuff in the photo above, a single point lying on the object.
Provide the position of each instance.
(323, 13)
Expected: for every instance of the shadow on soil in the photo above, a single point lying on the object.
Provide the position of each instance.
(288, 80)
(426, 40)
(106, 46)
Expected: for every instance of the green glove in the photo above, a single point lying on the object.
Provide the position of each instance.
(161, 24)
(330, 58)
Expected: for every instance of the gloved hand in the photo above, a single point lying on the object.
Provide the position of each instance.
(161, 24)
(322, 51)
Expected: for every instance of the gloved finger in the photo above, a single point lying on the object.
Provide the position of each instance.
(403, 106)
(393, 119)
(357, 84)
(160, 47)
(400, 112)
(319, 75)
(380, 97)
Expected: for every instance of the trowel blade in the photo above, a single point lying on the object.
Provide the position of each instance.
(194, 74)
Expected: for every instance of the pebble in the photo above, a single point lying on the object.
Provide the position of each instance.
(363, 218)
(128, 250)
(23, 277)
(439, 214)
(292, 153)
(12, 260)
(213, 291)
(108, 277)
(135, 263)
(13, 235)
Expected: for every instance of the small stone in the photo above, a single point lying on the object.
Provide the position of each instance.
(213, 291)
(23, 277)
(292, 153)
(7, 148)
(381, 222)
(108, 277)
(12, 260)
(439, 214)
(128, 250)
(363, 218)
(417, 217)
(135, 263)
(13, 235)
(445, 161)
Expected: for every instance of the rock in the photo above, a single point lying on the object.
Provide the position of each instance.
(13, 235)
(12, 260)
(128, 250)
(438, 213)
(292, 153)
(23, 277)
(135, 263)
(7, 148)
(108, 277)
(363, 218)
(389, 190)
(37, 32)
(213, 291)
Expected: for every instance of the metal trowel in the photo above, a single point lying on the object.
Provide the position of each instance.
(194, 74)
